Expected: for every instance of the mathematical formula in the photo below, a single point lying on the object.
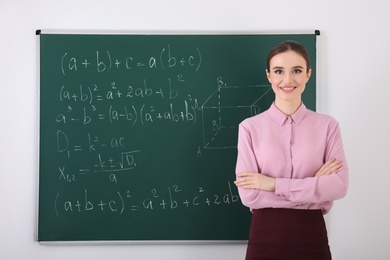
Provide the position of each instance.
(137, 90)
(132, 114)
(105, 61)
(113, 91)
(120, 202)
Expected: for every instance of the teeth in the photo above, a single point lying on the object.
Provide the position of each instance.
(288, 89)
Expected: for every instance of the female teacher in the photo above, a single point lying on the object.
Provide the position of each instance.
(290, 166)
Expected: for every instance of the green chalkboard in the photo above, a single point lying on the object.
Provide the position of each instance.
(137, 133)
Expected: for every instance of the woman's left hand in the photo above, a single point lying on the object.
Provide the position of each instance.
(252, 180)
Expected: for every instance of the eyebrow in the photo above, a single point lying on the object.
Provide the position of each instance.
(295, 67)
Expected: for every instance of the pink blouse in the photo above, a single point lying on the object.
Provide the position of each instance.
(292, 149)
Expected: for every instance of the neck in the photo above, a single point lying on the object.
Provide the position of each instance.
(288, 108)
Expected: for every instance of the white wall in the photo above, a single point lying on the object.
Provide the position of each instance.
(355, 86)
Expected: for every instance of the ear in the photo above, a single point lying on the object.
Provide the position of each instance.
(268, 75)
(308, 75)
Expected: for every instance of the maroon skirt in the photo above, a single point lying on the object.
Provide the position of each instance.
(288, 234)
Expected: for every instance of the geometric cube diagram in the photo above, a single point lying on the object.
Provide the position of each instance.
(226, 108)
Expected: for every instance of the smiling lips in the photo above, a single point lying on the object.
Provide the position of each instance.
(287, 89)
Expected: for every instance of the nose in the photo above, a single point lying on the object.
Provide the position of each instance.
(287, 79)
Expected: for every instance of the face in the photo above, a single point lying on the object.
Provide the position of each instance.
(288, 76)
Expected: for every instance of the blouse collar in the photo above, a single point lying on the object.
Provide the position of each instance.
(280, 118)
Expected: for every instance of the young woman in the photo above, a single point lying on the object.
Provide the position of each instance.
(290, 166)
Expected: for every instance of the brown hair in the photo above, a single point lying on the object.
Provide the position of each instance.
(289, 46)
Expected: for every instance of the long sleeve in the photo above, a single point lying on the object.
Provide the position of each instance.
(246, 162)
(292, 149)
(319, 189)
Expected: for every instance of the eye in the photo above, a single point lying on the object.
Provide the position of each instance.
(278, 71)
(297, 71)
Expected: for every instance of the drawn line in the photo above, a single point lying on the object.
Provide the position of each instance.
(55, 205)
(161, 56)
(262, 95)
(109, 57)
(135, 208)
(114, 170)
(200, 59)
(62, 63)
(123, 204)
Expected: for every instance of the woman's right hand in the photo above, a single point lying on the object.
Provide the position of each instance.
(329, 167)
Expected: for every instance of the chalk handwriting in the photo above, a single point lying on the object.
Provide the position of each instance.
(138, 99)
(106, 61)
(118, 202)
